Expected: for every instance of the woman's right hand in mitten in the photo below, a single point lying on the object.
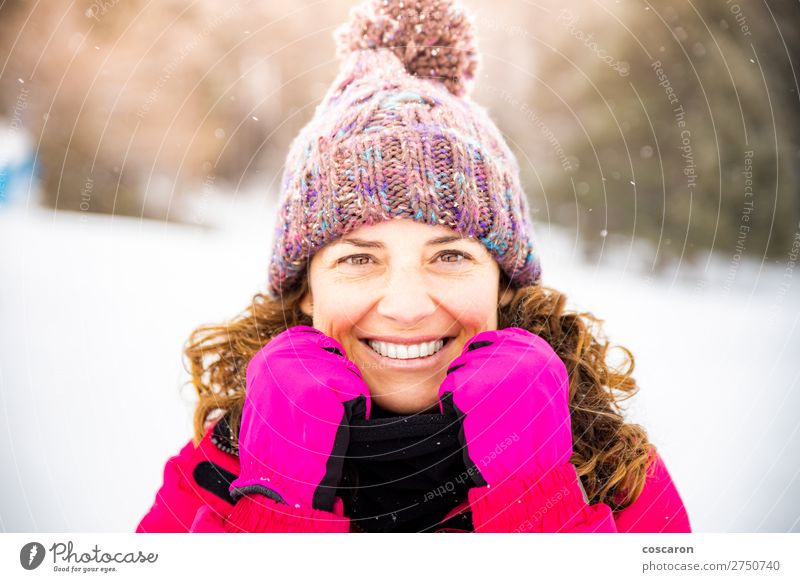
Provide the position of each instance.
(301, 394)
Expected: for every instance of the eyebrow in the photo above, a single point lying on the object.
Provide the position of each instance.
(373, 244)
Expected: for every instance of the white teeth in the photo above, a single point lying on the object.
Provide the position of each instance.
(403, 352)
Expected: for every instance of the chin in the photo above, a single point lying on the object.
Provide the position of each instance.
(404, 403)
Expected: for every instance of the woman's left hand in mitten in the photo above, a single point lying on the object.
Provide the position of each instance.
(511, 392)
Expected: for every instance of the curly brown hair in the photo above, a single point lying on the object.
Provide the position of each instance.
(611, 456)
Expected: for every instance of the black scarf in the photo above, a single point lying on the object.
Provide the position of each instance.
(404, 473)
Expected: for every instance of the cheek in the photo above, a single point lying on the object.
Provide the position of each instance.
(473, 307)
(338, 314)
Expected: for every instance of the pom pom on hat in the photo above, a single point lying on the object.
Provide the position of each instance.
(433, 38)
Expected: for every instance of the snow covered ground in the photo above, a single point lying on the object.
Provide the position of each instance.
(94, 311)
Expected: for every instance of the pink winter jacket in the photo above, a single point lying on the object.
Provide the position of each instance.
(194, 498)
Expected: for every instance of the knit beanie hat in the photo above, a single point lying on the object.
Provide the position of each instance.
(397, 136)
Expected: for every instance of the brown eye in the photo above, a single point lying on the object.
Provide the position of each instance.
(359, 260)
(457, 254)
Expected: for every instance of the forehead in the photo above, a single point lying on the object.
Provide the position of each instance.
(405, 231)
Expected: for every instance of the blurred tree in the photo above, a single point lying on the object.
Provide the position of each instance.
(137, 105)
(657, 158)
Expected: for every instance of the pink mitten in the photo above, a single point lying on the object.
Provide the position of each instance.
(301, 393)
(511, 392)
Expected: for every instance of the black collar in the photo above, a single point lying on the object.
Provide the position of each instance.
(403, 473)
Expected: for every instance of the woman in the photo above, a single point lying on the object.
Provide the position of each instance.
(408, 370)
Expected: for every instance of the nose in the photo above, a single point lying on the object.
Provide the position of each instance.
(406, 298)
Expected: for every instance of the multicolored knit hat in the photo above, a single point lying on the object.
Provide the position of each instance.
(396, 136)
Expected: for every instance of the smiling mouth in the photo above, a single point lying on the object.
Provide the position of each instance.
(402, 352)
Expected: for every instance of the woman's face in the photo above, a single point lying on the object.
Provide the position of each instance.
(405, 284)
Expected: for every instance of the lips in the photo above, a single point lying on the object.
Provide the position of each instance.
(406, 341)
(445, 340)
(411, 363)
